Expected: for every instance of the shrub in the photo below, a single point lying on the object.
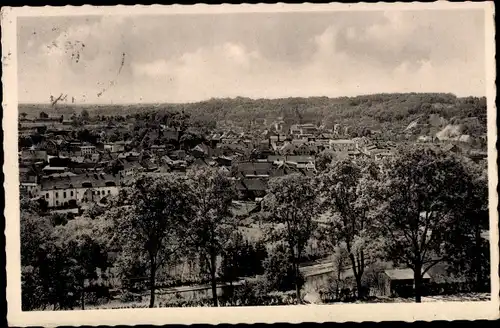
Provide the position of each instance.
(128, 297)
(278, 271)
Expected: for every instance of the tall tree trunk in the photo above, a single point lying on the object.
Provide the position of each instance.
(358, 285)
(358, 273)
(152, 282)
(417, 275)
(477, 257)
(295, 267)
(213, 267)
(297, 285)
(83, 294)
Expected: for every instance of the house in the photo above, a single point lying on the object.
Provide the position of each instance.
(287, 149)
(383, 154)
(223, 160)
(306, 149)
(178, 154)
(131, 155)
(170, 134)
(251, 189)
(343, 145)
(75, 190)
(452, 148)
(303, 129)
(33, 155)
(28, 185)
(114, 147)
(87, 149)
(241, 210)
(355, 153)
(477, 155)
(128, 166)
(214, 140)
(398, 282)
(294, 159)
(254, 169)
(57, 165)
(158, 149)
(204, 162)
(200, 151)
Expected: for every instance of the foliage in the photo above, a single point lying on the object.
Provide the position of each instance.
(469, 253)
(85, 115)
(87, 255)
(241, 258)
(60, 218)
(346, 198)
(419, 196)
(292, 205)
(152, 213)
(280, 274)
(213, 222)
(59, 263)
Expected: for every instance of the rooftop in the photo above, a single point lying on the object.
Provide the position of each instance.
(403, 274)
(89, 180)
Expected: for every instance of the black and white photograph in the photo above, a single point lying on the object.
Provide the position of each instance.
(307, 159)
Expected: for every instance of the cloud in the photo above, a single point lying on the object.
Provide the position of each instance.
(194, 59)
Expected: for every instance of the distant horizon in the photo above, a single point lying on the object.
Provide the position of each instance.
(247, 98)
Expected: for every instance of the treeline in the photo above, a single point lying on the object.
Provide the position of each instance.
(419, 209)
(371, 111)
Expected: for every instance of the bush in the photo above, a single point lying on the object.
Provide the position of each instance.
(278, 271)
(128, 297)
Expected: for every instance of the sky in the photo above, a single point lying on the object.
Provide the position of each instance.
(188, 58)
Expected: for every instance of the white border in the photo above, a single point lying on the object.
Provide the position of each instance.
(292, 314)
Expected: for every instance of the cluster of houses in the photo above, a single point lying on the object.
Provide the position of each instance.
(70, 173)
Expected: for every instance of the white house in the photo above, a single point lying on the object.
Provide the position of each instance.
(114, 147)
(79, 189)
(88, 150)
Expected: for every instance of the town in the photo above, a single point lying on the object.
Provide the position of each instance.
(73, 166)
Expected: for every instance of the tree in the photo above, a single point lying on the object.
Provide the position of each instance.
(469, 253)
(85, 115)
(58, 261)
(241, 258)
(292, 205)
(323, 160)
(345, 198)
(279, 271)
(85, 253)
(340, 264)
(419, 196)
(153, 210)
(232, 253)
(213, 222)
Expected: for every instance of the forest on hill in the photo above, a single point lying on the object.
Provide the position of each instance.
(380, 112)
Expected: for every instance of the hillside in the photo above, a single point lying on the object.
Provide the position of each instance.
(380, 112)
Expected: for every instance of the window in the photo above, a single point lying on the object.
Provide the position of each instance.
(109, 192)
(64, 194)
(71, 193)
(57, 194)
(47, 195)
(57, 203)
